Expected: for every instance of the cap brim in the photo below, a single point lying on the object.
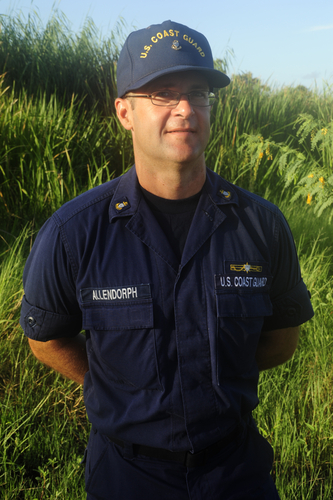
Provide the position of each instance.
(215, 78)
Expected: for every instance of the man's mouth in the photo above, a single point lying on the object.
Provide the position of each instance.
(181, 130)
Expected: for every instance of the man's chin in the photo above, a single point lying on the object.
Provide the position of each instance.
(185, 153)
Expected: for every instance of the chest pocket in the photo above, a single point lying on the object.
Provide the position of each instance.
(240, 319)
(122, 343)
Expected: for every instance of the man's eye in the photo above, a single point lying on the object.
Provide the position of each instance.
(199, 94)
(163, 94)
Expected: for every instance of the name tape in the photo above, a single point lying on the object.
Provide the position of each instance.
(111, 294)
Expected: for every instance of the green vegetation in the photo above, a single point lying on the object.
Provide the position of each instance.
(58, 138)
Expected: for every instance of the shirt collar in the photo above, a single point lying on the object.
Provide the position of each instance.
(220, 191)
(127, 196)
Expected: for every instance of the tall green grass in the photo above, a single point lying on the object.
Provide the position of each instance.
(58, 138)
(53, 59)
(296, 408)
(270, 138)
(51, 151)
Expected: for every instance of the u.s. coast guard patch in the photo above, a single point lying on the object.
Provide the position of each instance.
(225, 281)
(245, 274)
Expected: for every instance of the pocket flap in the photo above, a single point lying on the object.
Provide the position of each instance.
(131, 316)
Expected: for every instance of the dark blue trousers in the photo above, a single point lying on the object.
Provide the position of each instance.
(241, 471)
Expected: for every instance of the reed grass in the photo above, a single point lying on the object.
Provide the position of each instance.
(51, 152)
(53, 59)
(296, 408)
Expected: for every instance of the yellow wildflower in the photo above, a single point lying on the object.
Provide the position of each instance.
(324, 131)
(310, 176)
(322, 181)
(309, 198)
(261, 154)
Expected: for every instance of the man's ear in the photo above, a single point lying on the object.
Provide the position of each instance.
(124, 112)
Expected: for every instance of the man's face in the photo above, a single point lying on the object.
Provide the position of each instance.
(176, 135)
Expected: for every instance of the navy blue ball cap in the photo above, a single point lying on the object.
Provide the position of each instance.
(162, 49)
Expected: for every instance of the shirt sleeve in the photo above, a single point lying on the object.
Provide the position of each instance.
(289, 295)
(50, 309)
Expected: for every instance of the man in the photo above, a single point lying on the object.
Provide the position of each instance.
(186, 286)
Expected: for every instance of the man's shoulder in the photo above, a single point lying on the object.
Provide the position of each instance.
(242, 197)
(95, 200)
(255, 200)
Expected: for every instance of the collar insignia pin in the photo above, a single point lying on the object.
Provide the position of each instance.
(226, 194)
(176, 45)
(120, 206)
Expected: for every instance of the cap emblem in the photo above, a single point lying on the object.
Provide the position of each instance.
(176, 45)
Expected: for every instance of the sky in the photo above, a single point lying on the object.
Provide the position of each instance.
(285, 42)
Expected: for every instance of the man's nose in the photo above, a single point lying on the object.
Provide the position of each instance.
(184, 106)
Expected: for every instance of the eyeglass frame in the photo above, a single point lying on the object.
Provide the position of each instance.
(180, 94)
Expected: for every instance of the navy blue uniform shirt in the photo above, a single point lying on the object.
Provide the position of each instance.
(171, 346)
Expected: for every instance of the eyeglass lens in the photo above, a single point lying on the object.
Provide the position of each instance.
(171, 98)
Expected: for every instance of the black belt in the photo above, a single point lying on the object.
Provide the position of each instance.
(184, 457)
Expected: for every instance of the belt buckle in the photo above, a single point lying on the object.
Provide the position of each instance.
(196, 459)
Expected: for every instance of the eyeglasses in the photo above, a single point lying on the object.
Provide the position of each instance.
(170, 98)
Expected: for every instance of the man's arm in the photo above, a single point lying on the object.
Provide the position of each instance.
(276, 347)
(67, 356)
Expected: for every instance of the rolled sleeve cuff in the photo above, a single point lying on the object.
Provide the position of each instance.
(42, 325)
(290, 309)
